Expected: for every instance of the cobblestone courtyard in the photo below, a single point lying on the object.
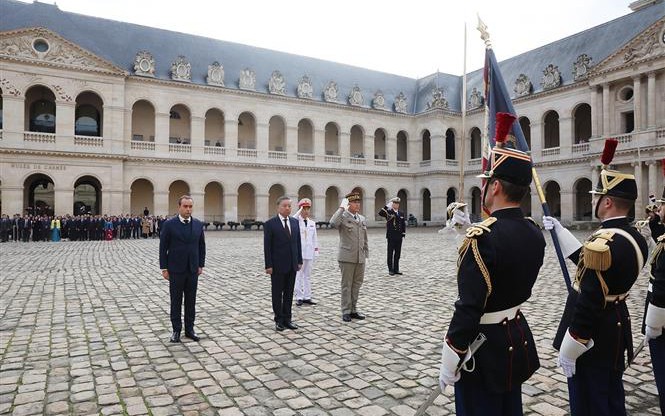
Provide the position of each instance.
(84, 329)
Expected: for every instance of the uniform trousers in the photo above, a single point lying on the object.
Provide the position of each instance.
(596, 391)
(657, 350)
(394, 253)
(353, 275)
(473, 399)
(282, 295)
(303, 280)
(183, 284)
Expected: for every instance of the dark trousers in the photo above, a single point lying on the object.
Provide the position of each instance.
(179, 285)
(596, 391)
(282, 295)
(394, 253)
(657, 350)
(472, 399)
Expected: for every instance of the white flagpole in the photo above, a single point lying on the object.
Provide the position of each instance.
(462, 158)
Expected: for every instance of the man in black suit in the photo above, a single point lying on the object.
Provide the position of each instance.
(182, 251)
(283, 258)
(395, 233)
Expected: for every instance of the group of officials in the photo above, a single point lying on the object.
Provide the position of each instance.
(489, 349)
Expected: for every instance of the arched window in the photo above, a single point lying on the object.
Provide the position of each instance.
(551, 129)
(87, 121)
(476, 150)
(42, 116)
(427, 146)
(582, 117)
(525, 124)
(450, 144)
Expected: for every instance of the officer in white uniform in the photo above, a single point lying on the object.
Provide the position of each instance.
(310, 250)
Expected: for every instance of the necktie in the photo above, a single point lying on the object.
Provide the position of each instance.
(305, 223)
(286, 226)
(355, 217)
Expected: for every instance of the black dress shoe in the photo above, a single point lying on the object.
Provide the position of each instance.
(299, 302)
(392, 273)
(290, 325)
(279, 327)
(346, 317)
(309, 302)
(175, 336)
(397, 272)
(192, 335)
(357, 315)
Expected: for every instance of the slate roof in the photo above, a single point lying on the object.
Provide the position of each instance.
(118, 42)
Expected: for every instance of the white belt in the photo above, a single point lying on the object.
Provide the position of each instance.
(498, 316)
(650, 287)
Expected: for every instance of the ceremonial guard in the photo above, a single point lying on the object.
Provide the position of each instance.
(395, 233)
(310, 250)
(498, 264)
(595, 332)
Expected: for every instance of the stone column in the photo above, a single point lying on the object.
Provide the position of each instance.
(606, 109)
(651, 100)
(368, 148)
(197, 141)
(63, 200)
(231, 136)
(566, 139)
(161, 199)
(652, 184)
(292, 143)
(319, 145)
(637, 102)
(162, 135)
(319, 207)
(263, 211)
(438, 206)
(231, 206)
(113, 201)
(64, 125)
(536, 206)
(639, 203)
(345, 147)
(12, 199)
(14, 121)
(262, 142)
(566, 206)
(596, 112)
(536, 140)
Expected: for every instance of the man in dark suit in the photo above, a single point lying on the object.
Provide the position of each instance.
(182, 251)
(283, 258)
(395, 233)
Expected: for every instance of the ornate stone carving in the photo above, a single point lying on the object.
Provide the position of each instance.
(144, 64)
(247, 80)
(215, 74)
(438, 101)
(61, 93)
(277, 85)
(356, 97)
(645, 46)
(181, 69)
(523, 86)
(475, 98)
(551, 77)
(379, 101)
(305, 89)
(330, 92)
(400, 103)
(581, 67)
(8, 88)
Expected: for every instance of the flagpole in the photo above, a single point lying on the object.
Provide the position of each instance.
(461, 172)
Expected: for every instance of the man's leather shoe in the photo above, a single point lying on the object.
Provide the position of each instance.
(357, 315)
(392, 273)
(279, 327)
(346, 317)
(175, 336)
(192, 335)
(290, 325)
(400, 273)
(299, 302)
(309, 302)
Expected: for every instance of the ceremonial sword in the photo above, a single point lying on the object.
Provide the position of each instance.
(480, 339)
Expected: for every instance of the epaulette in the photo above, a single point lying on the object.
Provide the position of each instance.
(597, 254)
(478, 229)
(531, 220)
(661, 238)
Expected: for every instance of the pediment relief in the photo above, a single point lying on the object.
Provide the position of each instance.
(645, 46)
(42, 46)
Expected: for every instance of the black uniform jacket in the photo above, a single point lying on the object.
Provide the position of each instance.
(498, 265)
(395, 223)
(610, 270)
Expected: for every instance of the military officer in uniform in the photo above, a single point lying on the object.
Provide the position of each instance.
(353, 251)
(595, 334)
(395, 233)
(497, 267)
(310, 250)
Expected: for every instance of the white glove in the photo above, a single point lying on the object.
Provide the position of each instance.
(569, 244)
(570, 350)
(460, 217)
(652, 333)
(448, 374)
(344, 204)
(389, 206)
(297, 213)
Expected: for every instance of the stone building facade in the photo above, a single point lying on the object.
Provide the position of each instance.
(92, 122)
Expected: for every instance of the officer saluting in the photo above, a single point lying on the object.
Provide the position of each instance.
(497, 267)
(395, 232)
(594, 332)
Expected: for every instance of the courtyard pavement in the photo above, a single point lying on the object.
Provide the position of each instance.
(84, 329)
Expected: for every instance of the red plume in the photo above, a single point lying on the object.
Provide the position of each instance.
(504, 122)
(608, 151)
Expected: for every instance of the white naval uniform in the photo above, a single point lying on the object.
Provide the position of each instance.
(310, 246)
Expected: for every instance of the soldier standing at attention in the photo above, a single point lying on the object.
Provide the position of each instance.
(498, 265)
(310, 250)
(395, 233)
(594, 334)
(353, 251)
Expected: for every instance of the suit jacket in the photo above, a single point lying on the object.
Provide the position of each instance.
(182, 247)
(352, 236)
(395, 223)
(282, 253)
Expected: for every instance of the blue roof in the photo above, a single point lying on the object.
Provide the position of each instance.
(118, 42)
